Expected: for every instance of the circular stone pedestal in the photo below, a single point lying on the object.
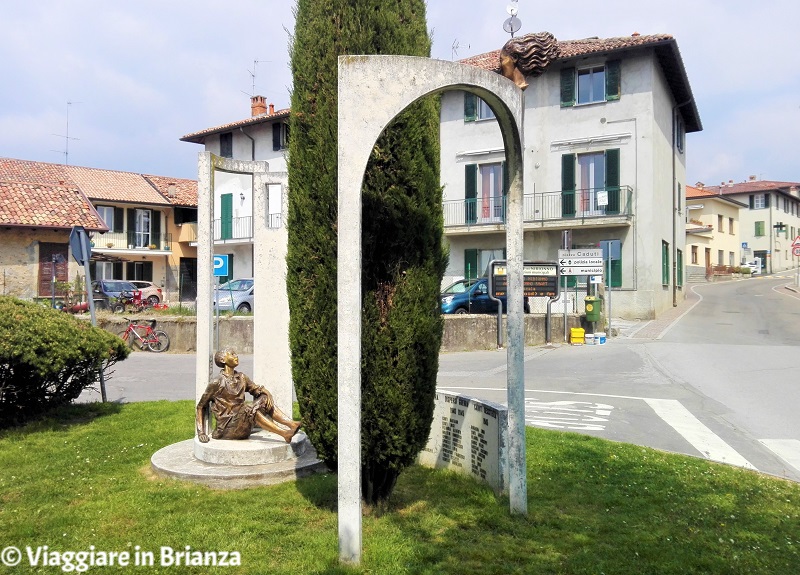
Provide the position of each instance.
(264, 459)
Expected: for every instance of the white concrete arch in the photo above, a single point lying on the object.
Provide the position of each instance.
(372, 91)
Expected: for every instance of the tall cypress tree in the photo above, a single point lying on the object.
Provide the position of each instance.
(402, 256)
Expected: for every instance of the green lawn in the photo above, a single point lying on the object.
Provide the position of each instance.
(83, 479)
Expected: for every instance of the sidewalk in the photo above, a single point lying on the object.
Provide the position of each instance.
(655, 328)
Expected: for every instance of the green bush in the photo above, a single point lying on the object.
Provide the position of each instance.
(745, 271)
(47, 358)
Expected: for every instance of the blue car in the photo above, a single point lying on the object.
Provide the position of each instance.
(471, 296)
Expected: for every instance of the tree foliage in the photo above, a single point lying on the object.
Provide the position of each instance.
(47, 358)
(402, 256)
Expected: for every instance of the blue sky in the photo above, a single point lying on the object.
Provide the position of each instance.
(142, 74)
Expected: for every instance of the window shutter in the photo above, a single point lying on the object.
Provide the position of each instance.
(130, 271)
(131, 230)
(766, 200)
(471, 193)
(679, 264)
(470, 107)
(613, 80)
(752, 201)
(147, 271)
(116, 270)
(568, 185)
(567, 87)
(615, 272)
(471, 263)
(155, 228)
(119, 220)
(276, 136)
(612, 180)
(226, 216)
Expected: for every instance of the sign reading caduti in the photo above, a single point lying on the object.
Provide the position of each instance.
(468, 435)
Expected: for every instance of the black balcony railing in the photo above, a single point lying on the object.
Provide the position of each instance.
(543, 206)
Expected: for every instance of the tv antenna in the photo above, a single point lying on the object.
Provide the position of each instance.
(66, 137)
(512, 24)
(253, 76)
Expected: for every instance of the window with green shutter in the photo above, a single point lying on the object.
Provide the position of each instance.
(679, 263)
(568, 186)
(759, 229)
(591, 84)
(613, 80)
(471, 263)
(471, 193)
(664, 263)
(470, 107)
(612, 181)
(226, 216)
(567, 87)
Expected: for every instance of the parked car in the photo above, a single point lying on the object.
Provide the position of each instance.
(112, 294)
(150, 291)
(235, 295)
(471, 296)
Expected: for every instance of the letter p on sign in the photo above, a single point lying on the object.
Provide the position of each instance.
(220, 266)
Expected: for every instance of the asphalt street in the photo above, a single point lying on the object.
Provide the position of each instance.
(713, 378)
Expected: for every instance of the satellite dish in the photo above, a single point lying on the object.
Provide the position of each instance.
(512, 25)
(512, 10)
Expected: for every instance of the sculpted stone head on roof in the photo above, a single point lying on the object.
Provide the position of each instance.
(528, 55)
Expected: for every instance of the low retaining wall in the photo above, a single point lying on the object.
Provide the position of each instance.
(461, 332)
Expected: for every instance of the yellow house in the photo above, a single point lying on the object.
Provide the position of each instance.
(712, 231)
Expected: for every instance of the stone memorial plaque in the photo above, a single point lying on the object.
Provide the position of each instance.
(469, 435)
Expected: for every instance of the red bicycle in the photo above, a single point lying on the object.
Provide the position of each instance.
(145, 335)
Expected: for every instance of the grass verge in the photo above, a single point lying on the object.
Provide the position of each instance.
(82, 478)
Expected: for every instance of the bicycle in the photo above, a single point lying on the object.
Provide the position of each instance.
(144, 335)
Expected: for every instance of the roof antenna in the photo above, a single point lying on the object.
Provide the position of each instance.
(512, 24)
(66, 137)
(253, 77)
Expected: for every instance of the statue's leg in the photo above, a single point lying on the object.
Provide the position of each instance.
(268, 424)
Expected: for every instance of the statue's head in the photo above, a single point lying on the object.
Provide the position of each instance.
(531, 54)
(225, 357)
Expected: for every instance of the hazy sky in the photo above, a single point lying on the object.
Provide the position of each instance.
(142, 74)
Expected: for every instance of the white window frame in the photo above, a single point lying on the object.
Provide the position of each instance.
(144, 227)
(759, 201)
(106, 214)
(589, 72)
(489, 196)
(483, 111)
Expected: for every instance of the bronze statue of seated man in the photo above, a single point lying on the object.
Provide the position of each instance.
(225, 396)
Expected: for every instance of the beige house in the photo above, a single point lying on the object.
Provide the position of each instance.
(134, 221)
(712, 231)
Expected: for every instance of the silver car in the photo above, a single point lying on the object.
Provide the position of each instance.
(235, 295)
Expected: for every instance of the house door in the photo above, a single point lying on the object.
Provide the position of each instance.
(52, 256)
(226, 216)
(142, 228)
(187, 287)
(591, 178)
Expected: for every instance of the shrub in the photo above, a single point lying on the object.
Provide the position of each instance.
(402, 255)
(47, 358)
(746, 271)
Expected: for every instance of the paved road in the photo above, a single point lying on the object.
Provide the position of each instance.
(715, 378)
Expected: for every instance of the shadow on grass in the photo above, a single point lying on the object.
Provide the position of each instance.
(62, 417)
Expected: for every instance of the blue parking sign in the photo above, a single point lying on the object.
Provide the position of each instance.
(220, 266)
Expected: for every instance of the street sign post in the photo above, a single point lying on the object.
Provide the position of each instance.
(221, 266)
(580, 262)
(540, 279)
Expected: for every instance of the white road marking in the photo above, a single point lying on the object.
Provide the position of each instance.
(786, 449)
(574, 415)
(692, 429)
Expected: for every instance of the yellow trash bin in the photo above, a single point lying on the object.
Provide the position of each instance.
(577, 335)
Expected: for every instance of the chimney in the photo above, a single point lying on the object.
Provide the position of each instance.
(699, 185)
(258, 105)
(730, 183)
(752, 178)
(171, 189)
(635, 34)
(271, 109)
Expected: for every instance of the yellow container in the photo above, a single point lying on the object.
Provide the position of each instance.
(576, 335)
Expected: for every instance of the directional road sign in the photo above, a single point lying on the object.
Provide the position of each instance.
(580, 262)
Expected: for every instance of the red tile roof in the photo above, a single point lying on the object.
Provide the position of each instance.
(200, 137)
(40, 194)
(112, 186)
(179, 192)
(750, 186)
(38, 204)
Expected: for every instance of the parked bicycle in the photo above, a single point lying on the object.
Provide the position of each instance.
(145, 334)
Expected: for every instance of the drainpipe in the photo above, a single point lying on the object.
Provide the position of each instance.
(675, 207)
(252, 144)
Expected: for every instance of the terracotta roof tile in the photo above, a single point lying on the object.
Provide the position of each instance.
(199, 137)
(115, 186)
(184, 192)
(751, 186)
(46, 205)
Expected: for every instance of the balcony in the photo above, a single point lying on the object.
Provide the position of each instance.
(235, 230)
(132, 241)
(556, 210)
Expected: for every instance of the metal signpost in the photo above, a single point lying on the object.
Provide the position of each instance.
(220, 270)
(540, 279)
(82, 252)
(579, 262)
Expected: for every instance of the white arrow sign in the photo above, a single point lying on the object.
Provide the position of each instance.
(581, 271)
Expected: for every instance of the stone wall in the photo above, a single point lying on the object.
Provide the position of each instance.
(461, 332)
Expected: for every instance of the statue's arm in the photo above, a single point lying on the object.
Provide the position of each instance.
(202, 405)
